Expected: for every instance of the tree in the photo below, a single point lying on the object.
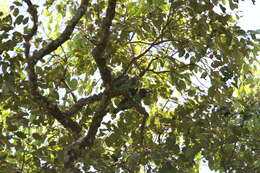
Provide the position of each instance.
(65, 67)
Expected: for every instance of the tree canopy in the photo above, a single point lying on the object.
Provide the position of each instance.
(128, 86)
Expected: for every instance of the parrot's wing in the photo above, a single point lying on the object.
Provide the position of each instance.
(126, 82)
(137, 97)
(121, 80)
(123, 105)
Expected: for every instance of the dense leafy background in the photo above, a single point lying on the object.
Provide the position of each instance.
(199, 65)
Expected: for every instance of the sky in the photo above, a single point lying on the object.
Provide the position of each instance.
(250, 15)
(249, 21)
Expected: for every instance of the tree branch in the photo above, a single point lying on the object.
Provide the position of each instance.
(156, 42)
(159, 72)
(139, 56)
(46, 104)
(146, 69)
(33, 12)
(83, 102)
(86, 142)
(65, 35)
(73, 152)
(99, 51)
(91, 99)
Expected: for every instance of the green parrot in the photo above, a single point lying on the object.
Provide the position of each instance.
(137, 94)
(126, 82)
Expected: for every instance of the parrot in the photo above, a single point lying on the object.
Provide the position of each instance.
(126, 82)
(137, 94)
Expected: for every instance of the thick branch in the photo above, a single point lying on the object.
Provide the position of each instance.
(91, 99)
(96, 122)
(83, 102)
(86, 142)
(73, 152)
(159, 72)
(48, 106)
(99, 51)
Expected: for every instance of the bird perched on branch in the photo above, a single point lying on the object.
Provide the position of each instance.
(126, 82)
(137, 95)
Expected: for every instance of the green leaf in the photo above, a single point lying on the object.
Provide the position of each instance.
(16, 12)
(17, 3)
(174, 48)
(19, 20)
(215, 2)
(36, 136)
(73, 83)
(181, 52)
(25, 20)
(211, 91)
(167, 168)
(204, 75)
(21, 135)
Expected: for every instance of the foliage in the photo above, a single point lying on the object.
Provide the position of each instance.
(59, 65)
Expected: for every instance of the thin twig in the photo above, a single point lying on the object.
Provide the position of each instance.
(156, 42)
